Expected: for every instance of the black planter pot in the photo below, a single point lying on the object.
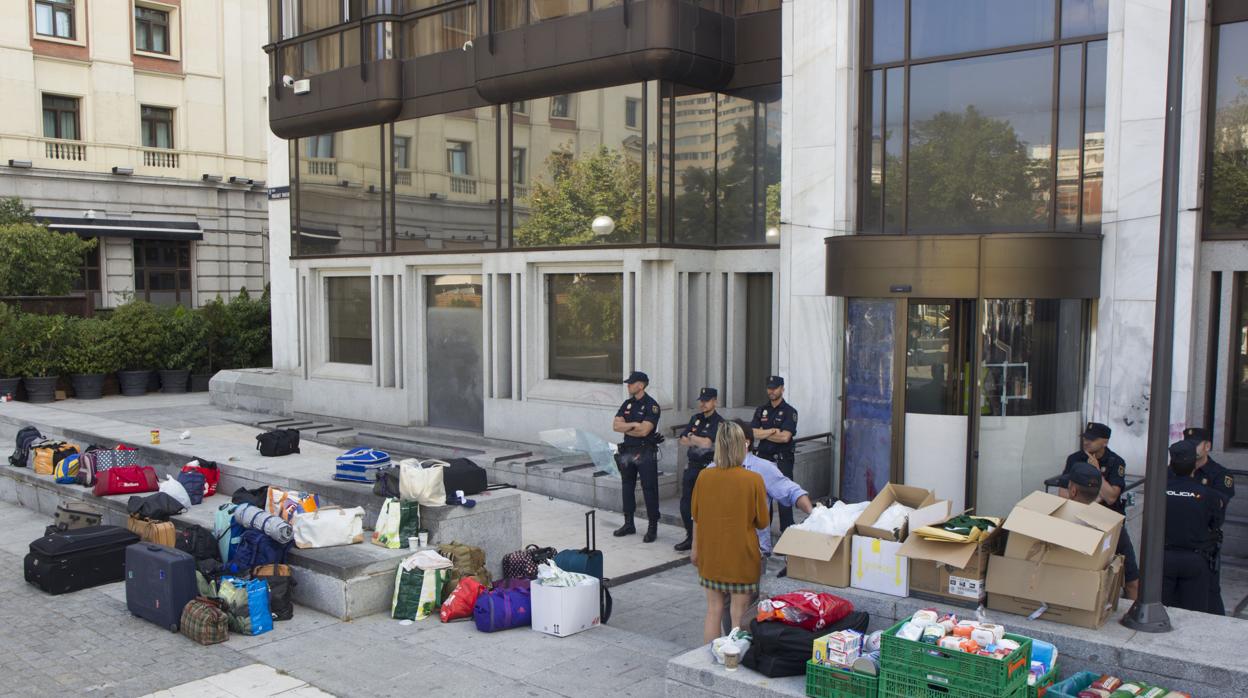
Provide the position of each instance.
(199, 382)
(153, 381)
(174, 381)
(40, 388)
(88, 386)
(8, 386)
(133, 382)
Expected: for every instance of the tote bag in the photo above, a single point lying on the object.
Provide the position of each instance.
(329, 526)
(422, 482)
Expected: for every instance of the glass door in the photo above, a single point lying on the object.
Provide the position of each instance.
(453, 332)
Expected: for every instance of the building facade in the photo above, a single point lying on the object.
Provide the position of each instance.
(142, 124)
(939, 224)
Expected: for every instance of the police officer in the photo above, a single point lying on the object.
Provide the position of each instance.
(699, 436)
(638, 420)
(774, 426)
(1095, 439)
(1211, 474)
(1193, 514)
(1082, 483)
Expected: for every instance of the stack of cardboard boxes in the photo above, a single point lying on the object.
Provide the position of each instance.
(951, 572)
(1059, 559)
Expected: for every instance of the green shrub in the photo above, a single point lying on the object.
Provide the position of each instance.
(41, 343)
(138, 333)
(9, 351)
(183, 341)
(35, 261)
(239, 333)
(90, 348)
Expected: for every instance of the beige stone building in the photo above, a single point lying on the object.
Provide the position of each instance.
(143, 124)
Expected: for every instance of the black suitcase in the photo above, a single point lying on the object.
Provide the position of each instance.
(778, 650)
(81, 558)
(160, 581)
(463, 474)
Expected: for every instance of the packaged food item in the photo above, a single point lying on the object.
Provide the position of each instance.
(1107, 683)
(1153, 692)
(1010, 645)
(871, 643)
(842, 659)
(932, 634)
(1178, 694)
(998, 631)
(867, 665)
(963, 631)
(910, 631)
(948, 621)
(1093, 693)
(1035, 672)
(925, 616)
(983, 636)
(1127, 690)
(844, 640)
(969, 646)
(950, 642)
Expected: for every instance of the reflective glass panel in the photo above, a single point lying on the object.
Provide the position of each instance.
(868, 420)
(888, 30)
(1069, 135)
(1094, 137)
(942, 27)
(1228, 139)
(1239, 360)
(340, 202)
(453, 329)
(349, 318)
(1085, 17)
(586, 327)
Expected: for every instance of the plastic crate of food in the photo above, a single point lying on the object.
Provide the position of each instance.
(824, 681)
(959, 672)
(899, 684)
(1044, 685)
(1070, 686)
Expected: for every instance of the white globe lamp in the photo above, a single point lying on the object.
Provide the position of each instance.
(602, 226)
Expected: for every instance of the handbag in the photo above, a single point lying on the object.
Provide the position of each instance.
(360, 465)
(279, 442)
(148, 531)
(247, 601)
(205, 621)
(328, 527)
(422, 482)
(286, 503)
(522, 564)
(94, 463)
(126, 479)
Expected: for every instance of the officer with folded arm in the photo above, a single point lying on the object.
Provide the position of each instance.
(699, 437)
(1213, 475)
(638, 420)
(1193, 515)
(773, 427)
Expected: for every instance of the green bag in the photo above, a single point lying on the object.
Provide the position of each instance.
(408, 602)
(409, 521)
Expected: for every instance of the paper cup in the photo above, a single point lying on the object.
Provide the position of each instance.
(732, 658)
(423, 538)
(413, 542)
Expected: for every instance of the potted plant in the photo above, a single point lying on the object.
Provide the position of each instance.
(201, 368)
(90, 355)
(10, 368)
(41, 340)
(137, 333)
(183, 342)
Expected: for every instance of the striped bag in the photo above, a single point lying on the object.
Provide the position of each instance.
(361, 465)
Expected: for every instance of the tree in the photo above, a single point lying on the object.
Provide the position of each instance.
(35, 261)
(1228, 185)
(603, 182)
(969, 171)
(733, 193)
(12, 210)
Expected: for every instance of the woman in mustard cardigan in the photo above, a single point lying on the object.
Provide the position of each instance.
(729, 506)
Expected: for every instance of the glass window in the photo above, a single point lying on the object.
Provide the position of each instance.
(446, 31)
(632, 112)
(60, 117)
(517, 165)
(1239, 363)
(561, 106)
(402, 152)
(89, 281)
(457, 158)
(55, 18)
(521, 107)
(162, 271)
(888, 30)
(541, 10)
(758, 334)
(151, 30)
(319, 14)
(321, 146)
(1084, 17)
(1094, 136)
(940, 27)
(1032, 356)
(157, 127)
(1228, 137)
(453, 334)
(349, 319)
(694, 151)
(932, 371)
(340, 193)
(586, 327)
(868, 421)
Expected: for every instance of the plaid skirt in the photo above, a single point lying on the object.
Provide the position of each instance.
(729, 587)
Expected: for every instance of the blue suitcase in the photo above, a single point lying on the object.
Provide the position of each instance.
(588, 560)
(160, 581)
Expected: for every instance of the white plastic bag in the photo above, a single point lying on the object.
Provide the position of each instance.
(389, 521)
(738, 637)
(550, 575)
(837, 521)
(329, 526)
(174, 489)
(422, 482)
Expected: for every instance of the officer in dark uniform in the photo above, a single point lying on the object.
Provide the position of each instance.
(1211, 474)
(1193, 514)
(1082, 483)
(638, 420)
(699, 436)
(1113, 469)
(775, 425)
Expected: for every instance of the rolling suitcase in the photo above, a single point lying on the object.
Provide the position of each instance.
(461, 474)
(160, 581)
(588, 560)
(82, 558)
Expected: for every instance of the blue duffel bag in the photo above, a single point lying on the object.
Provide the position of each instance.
(502, 609)
(361, 465)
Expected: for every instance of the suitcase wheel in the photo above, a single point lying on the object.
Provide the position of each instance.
(173, 628)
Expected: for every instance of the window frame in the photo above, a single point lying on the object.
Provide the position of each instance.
(632, 113)
(148, 126)
(868, 67)
(1236, 361)
(68, 7)
(146, 27)
(91, 262)
(347, 368)
(464, 148)
(566, 101)
(76, 111)
(406, 149)
(1206, 219)
(546, 277)
(146, 272)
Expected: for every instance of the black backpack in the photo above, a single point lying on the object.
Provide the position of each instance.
(26, 436)
(159, 506)
(387, 483)
(463, 475)
(782, 650)
(199, 542)
(279, 442)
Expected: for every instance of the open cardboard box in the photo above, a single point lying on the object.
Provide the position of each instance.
(815, 557)
(1062, 532)
(952, 571)
(879, 565)
(1081, 597)
(913, 497)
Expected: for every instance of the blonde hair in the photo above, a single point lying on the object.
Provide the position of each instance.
(729, 446)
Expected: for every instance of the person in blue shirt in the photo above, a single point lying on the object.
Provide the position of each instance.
(773, 429)
(638, 420)
(699, 437)
(780, 489)
(1213, 475)
(1193, 515)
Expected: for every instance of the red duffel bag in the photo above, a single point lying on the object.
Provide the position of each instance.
(127, 479)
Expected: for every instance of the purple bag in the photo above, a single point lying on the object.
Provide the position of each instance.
(502, 609)
(511, 583)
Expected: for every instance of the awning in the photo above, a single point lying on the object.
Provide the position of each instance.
(115, 228)
(315, 233)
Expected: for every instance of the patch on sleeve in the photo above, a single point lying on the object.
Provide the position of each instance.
(655, 409)
(1229, 482)
(1122, 470)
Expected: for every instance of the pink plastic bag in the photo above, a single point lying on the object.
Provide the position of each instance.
(805, 609)
(459, 604)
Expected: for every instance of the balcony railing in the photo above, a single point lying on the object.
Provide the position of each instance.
(463, 185)
(160, 158)
(322, 166)
(403, 178)
(64, 150)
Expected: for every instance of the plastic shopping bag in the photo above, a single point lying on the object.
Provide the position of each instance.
(431, 594)
(459, 604)
(386, 532)
(804, 609)
(738, 637)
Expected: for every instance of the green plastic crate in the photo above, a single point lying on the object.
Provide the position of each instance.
(964, 674)
(894, 684)
(1041, 689)
(830, 682)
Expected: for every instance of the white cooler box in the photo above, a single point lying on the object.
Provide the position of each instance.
(564, 611)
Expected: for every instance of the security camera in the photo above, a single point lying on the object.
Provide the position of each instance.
(288, 81)
(468, 45)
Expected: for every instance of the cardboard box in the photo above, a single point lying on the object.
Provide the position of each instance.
(878, 566)
(564, 611)
(951, 571)
(1069, 595)
(1062, 532)
(913, 497)
(815, 557)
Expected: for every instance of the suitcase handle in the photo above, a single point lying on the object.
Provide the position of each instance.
(591, 535)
